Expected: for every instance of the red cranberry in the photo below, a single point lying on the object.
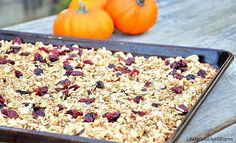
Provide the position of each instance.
(129, 61)
(137, 99)
(74, 113)
(177, 89)
(38, 111)
(25, 54)
(46, 50)
(155, 105)
(79, 66)
(178, 76)
(53, 57)
(67, 67)
(126, 70)
(75, 87)
(87, 100)
(18, 74)
(66, 94)
(148, 84)
(111, 116)
(68, 72)
(201, 73)
(38, 71)
(167, 62)
(10, 113)
(180, 65)
(134, 72)
(40, 91)
(88, 62)
(140, 113)
(38, 57)
(182, 108)
(61, 107)
(17, 40)
(13, 49)
(11, 62)
(77, 73)
(111, 66)
(190, 77)
(22, 92)
(121, 59)
(2, 100)
(3, 61)
(100, 84)
(65, 83)
(90, 117)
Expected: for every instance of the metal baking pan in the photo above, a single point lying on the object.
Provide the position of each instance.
(220, 59)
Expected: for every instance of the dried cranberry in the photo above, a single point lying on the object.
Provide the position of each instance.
(66, 94)
(60, 107)
(18, 74)
(38, 71)
(10, 113)
(53, 57)
(22, 92)
(178, 76)
(74, 113)
(126, 70)
(46, 50)
(177, 89)
(87, 100)
(73, 55)
(79, 66)
(25, 54)
(190, 77)
(111, 116)
(167, 62)
(67, 67)
(100, 84)
(3, 61)
(38, 111)
(129, 61)
(11, 62)
(182, 108)
(38, 57)
(90, 117)
(111, 66)
(147, 84)
(68, 73)
(88, 62)
(2, 100)
(121, 59)
(134, 72)
(75, 87)
(17, 40)
(155, 105)
(13, 49)
(180, 65)
(137, 99)
(40, 91)
(140, 113)
(77, 73)
(201, 73)
(65, 83)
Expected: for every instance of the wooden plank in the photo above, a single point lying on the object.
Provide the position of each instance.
(204, 23)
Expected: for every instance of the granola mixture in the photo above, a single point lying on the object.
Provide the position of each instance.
(97, 93)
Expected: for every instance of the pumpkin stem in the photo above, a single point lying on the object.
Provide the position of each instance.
(82, 7)
(140, 2)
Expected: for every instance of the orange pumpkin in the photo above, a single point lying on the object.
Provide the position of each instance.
(133, 16)
(90, 4)
(95, 23)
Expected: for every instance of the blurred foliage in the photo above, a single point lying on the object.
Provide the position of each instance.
(59, 5)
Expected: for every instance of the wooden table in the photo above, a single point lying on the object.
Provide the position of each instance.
(201, 23)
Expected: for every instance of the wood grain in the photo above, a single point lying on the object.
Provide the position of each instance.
(202, 23)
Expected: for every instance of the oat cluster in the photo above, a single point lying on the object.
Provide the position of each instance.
(97, 93)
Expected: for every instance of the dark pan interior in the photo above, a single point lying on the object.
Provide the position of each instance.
(218, 58)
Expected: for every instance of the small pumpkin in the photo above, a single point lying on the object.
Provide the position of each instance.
(90, 4)
(133, 16)
(95, 23)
